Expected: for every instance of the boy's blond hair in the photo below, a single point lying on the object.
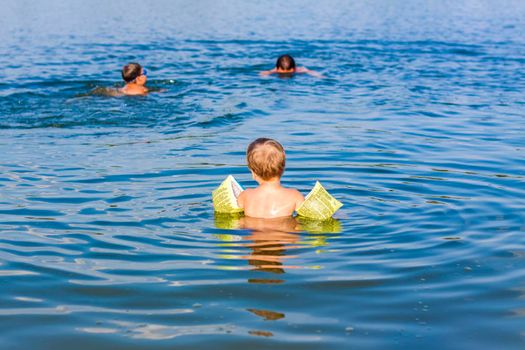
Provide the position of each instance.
(266, 158)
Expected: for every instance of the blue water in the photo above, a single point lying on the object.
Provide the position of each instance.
(107, 234)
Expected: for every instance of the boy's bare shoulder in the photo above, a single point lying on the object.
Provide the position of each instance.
(246, 192)
(292, 192)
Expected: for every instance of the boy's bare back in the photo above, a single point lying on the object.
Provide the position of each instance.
(269, 201)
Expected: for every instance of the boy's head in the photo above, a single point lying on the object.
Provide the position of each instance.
(134, 73)
(285, 63)
(266, 158)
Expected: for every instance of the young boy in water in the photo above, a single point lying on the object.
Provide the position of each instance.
(266, 161)
(286, 65)
(135, 77)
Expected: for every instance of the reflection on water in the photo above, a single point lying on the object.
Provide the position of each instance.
(269, 241)
(267, 314)
(107, 228)
(261, 333)
(272, 244)
(270, 226)
(157, 331)
(228, 221)
(287, 224)
(272, 241)
(330, 225)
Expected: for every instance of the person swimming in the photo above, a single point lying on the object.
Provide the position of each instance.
(285, 65)
(135, 77)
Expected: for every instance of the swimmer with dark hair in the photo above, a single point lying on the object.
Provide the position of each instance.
(286, 65)
(135, 77)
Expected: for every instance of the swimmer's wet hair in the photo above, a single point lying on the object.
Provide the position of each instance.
(266, 158)
(285, 62)
(131, 71)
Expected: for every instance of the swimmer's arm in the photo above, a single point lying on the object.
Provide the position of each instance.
(113, 92)
(267, 72)
(104, 91)
(313, 73)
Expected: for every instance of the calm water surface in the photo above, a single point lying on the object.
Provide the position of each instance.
(108, 239)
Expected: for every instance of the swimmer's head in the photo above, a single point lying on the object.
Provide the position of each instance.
(266, 158)
(134, 73)
(285, 64)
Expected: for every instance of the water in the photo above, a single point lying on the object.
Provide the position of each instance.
(108, 238)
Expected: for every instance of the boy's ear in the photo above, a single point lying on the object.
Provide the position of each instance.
(253, 175)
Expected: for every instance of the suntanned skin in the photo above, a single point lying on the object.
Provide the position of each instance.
(136, 87)
(270, 199)
(291, 71)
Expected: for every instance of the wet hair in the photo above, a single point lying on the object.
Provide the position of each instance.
(266, 158)
(285, 62)
(131, 71)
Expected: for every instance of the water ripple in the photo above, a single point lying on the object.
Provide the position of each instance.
(108, 238)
